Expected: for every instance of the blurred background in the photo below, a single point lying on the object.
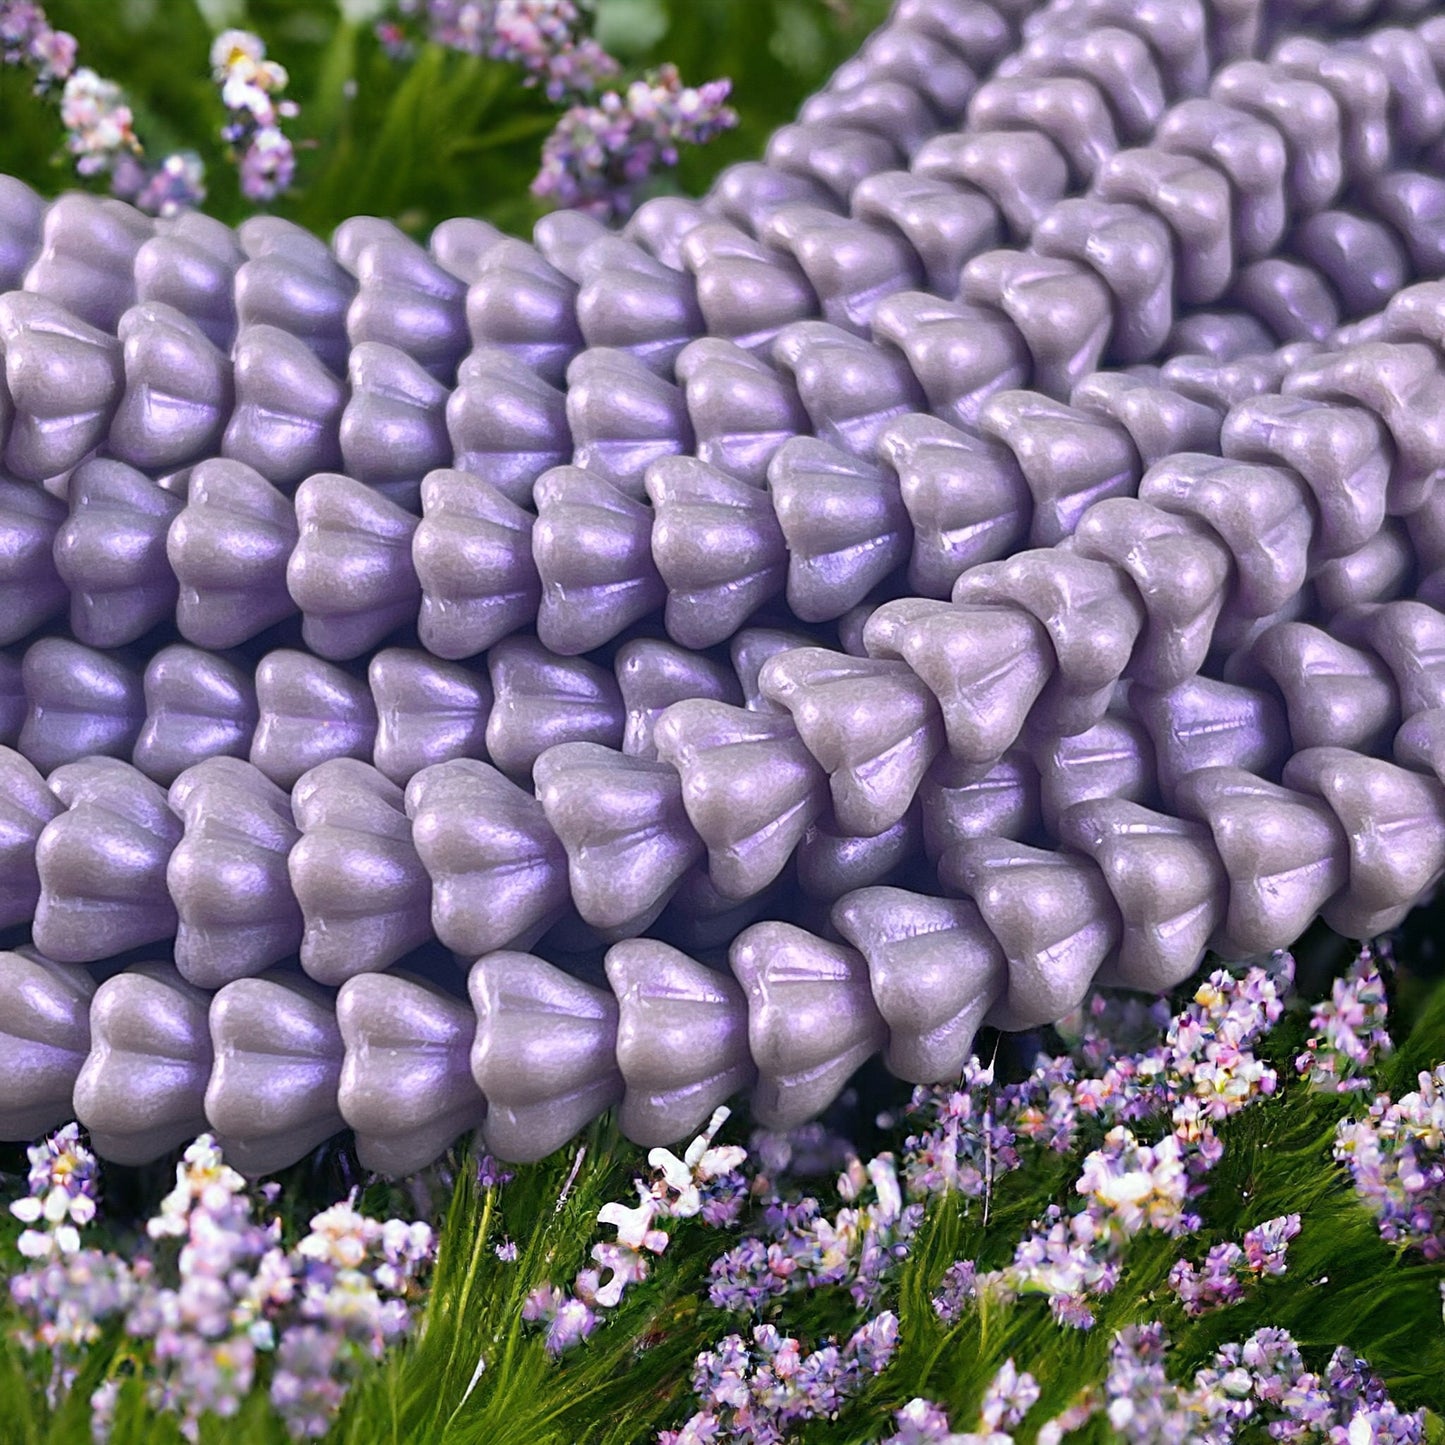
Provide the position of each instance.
(419, 139)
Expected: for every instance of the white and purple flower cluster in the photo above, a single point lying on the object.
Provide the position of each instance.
(704, 1183)
(1201, 1072)
(1129, 1064)
(759, 1394)
(1229, 1267)
(99, 125)
(250, 89)
(215, 1293)
(598, 157)
(1396, 1157)
(1262, 1383)
(1009, 1397)
(27, 38)
(1350, 1036)
(545, 38)
(801, 1248)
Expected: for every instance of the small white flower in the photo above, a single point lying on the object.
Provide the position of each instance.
(1361, 1430)
(700, 1163)
(884, 1178)
(34, 1244)
(233, 48)
(27, 1211)
(628, 1267)
(240, 92)
(634, 1226)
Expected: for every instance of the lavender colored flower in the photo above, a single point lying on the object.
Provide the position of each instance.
(1264, 1381)
(919, 1422)
(723, 1201)
(1396, 1158)
(599, 154)
(20, 22)
(52, 53)
(1010, 1395)
(27, 38)
(1349, 1034)
(545, 38)
(968, 1136)
(1228, 1268)
(491, 1174)
(747, 1277)
(306, 1389)
(98, 122)
(174, 186)
(1217, 1284)
(1142, 1405)
(64, 1183)
(572, 1323)
(874, 1344)
(1133, 1186)
(764, 1392)
(1209, 1044)
(103, 1401)
(859, 1247)
(958, 1291)
(65, 1303)
(250, 89)
(220, 1291)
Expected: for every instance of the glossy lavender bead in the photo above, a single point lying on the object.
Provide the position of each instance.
(1188, 680)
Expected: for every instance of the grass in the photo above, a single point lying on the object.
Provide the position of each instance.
(475, 1375)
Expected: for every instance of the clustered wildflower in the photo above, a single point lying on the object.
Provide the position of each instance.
(600, 154)
(545, 38)
(250, 86)
(69, 1292)
(64, 1182)
(1228, 1268)
(99, 125)
(177, 184)
(1349, 1031)
(1202, 1071)
(608, 141)
(1396, 1159)
(761, 1393)
(704, 1183)
(1260, 1383)
(28, 39)
(803, 1249)
(1009, 1397)
(218, 1294)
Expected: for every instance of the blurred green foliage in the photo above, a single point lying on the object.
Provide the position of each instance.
(439, 136)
